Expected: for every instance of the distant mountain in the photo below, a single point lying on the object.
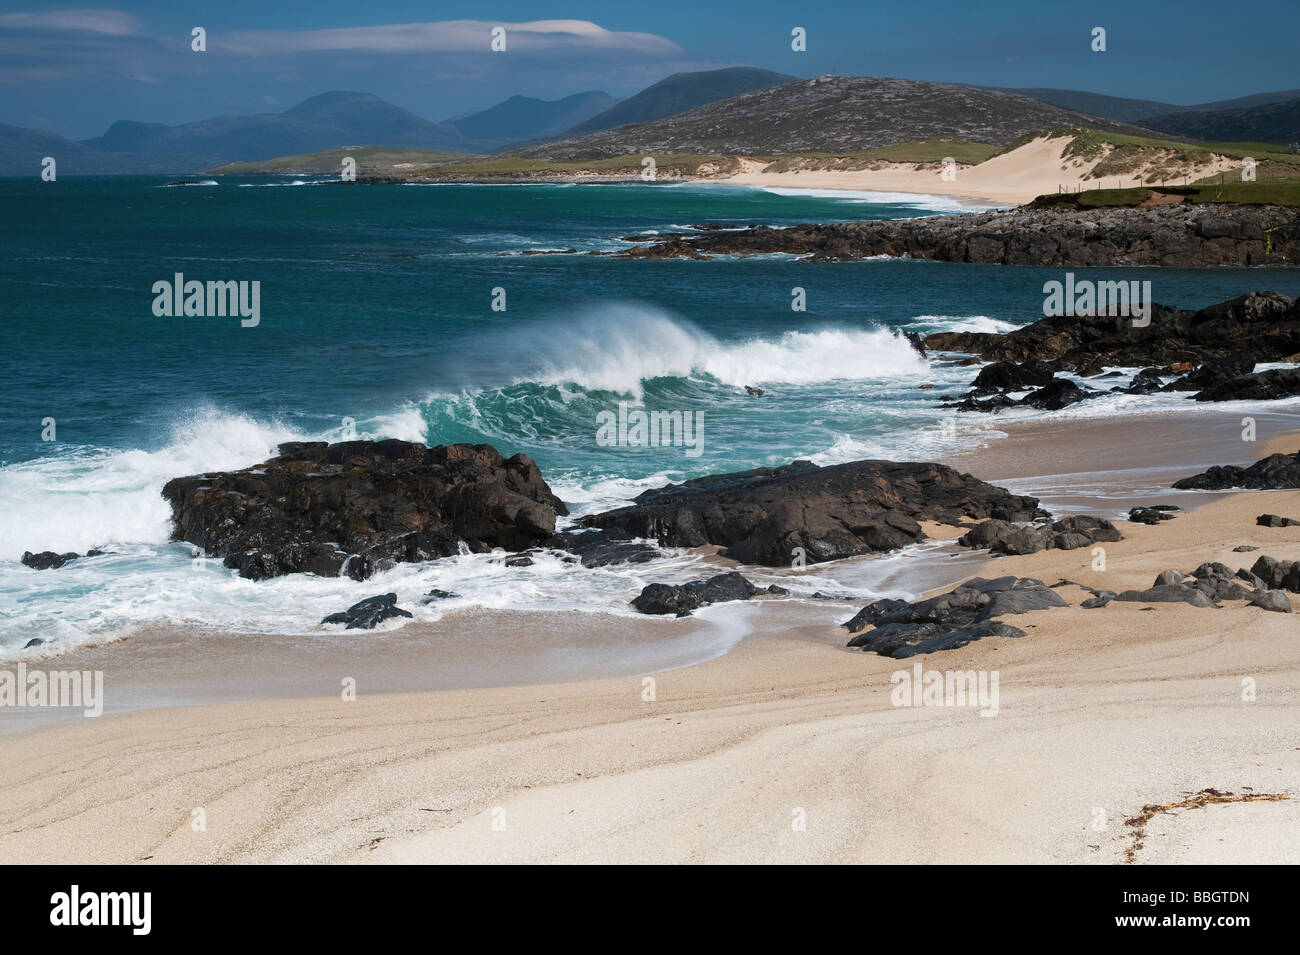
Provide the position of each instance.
(322, 122)
(22, 150)
(1269, 123)
(1097, 104)
(1243, 102)
(831, 114)
(523, 117)
(678, 93)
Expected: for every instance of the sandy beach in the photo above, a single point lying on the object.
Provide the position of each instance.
(1034, 169)
(786, 749)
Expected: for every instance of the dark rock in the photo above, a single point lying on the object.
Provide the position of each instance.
(1151, 515)
(1261, 386)
(433, 596)
(1254, 581)
(1099, 599)
(1168, 578)
(1244, 549)
(950, 620)
(762, 516)
(1273, 520)
(681, 599)
(1003, 537)
(1275, 472)
(1008, 376)
(1145, 382)
(598, 548)
(1168, 594)
(366, 614)
(1273, 600)
(1213, 569)
(1278, 574)
(521, 561)
(873, 612)
(1214, 372)
(47, 559)
(1175, 235)
(1264, 325)
(1061, 393)
(360, 506)
(33, 642)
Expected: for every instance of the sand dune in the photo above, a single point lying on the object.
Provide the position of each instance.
(1034, 169)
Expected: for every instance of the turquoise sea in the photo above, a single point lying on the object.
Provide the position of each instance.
(377, 318)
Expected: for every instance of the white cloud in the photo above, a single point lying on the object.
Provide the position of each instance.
(107, 22)
(449, 36)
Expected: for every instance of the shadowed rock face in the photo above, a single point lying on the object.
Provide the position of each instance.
(764, 516)
(358, 506)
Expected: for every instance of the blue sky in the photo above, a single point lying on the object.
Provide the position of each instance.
(74, 70)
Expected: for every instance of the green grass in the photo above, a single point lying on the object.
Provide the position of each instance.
(1281, 192)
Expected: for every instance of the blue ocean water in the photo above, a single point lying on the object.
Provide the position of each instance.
(376, 316)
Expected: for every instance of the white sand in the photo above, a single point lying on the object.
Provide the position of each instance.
(1034, 169)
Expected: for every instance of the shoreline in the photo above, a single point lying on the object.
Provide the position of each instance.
(1101, 709)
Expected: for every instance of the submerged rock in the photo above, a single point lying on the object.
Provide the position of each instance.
(47, 559)
(681, 599)
(366, 614)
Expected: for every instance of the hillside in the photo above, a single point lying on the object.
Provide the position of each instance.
(679, 93)
(322, 122)
(524, 117)
(1118, 108)
(1270, 123)
(829, 114)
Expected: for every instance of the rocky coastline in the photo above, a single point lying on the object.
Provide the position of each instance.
(1181, 235)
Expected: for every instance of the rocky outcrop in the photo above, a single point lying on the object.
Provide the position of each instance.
(369, 613)
(359, 506)
(777, 516)
(1260, 326)
(1261, 386)
(681, 599)
(49, 560)
(950, 620)
(1004, 537)
(1184, 235)
(1275, 472)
